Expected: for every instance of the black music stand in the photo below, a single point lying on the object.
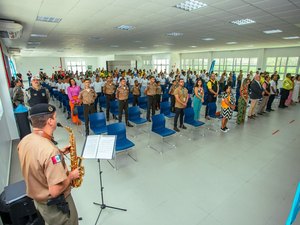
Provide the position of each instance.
(102, 204)
(105, 149)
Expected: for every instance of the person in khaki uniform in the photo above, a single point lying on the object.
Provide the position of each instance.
(109, 91)
(44, 169)
(181, 99)
(136, 91)
(122, 96)
(150, 91)
(87, 97)
(171, 93)
(18, 94)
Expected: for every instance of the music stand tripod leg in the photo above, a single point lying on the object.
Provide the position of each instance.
(102, 205)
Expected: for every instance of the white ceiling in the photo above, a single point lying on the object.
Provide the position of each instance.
(84, 19)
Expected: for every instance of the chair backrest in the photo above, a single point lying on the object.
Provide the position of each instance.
(212, 109)
(118, 129)
(188, 114)
(165, 108)
(80, 110)
(114, 105)
(158, 122)
(102, 100)
(97, 120)
(134, 112)
(165, 97)
(189, 103)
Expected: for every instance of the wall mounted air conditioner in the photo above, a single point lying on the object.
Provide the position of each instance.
(10, 29)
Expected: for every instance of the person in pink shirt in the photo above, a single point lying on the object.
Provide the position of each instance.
(73, 92)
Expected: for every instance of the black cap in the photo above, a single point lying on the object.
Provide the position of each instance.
(41, 109)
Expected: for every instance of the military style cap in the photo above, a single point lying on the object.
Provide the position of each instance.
(35, 77)
(41, 109)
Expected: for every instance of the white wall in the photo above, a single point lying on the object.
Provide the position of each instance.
(89, 61)
(34, 64)
(101, 60)
(8, 126)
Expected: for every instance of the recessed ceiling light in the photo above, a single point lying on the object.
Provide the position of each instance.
(243, 22)
(96, 38)
(231, 43)
(137, 41)
(114, 46)
(33, 43)
(190, 5)
(48, 19)
(175, 34)
(193, 46)
(272, 31)
(39, 35)
(291, 38)
(156, 45)
(125, 27)
(208, 39)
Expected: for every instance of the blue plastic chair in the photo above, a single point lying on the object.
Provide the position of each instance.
(165, 97)
(189, 119)
(98, 123)
(122, 143)
(134, 116)
(80, 113)
(143, 102)
(114, 108)
(102, 101)
(165, 108)
(159, 128)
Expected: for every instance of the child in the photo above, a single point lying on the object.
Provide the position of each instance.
(136, 92)
(227, 106)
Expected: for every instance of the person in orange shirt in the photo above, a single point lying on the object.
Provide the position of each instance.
(227, 106)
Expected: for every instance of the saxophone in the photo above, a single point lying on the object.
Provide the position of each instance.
(75, 160)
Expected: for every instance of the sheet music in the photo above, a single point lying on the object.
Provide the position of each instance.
(106, 147)
(99, 147)
(91, 147)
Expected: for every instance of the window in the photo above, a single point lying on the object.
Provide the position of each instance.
(194, 64)
(282, 65)
(78, 66)
(162, 65)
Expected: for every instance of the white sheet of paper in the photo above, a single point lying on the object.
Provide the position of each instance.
(91, 147)
(106, 147)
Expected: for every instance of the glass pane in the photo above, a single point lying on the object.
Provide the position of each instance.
(79, 69)
(196, 61)
(293, 61)
(237, 61)
(83, 69)
(196, 68)
(73, 63)
(245, 61)
(78, 63)
(167, 61)
(229, 68)
(283, 61)
(222, 61)
(187, 62)
(253, 61)
(68, 63)
(217, 62)
(74, 69)
(291, 70)
(271, 61)
(245, 69)
(280, 70)
(69, 68)
(229, 61)
(205, 63)
(163, 61)
(200, 62)
(270, 69)
(83, 62)
(252, 68)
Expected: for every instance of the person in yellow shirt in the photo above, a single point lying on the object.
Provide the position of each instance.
(287, 85)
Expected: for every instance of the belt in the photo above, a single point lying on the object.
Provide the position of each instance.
(124, 100)
(89, 104)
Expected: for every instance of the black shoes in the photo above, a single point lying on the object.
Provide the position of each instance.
(129, 124)
(183, 127)
(176, 129)
(149, 120)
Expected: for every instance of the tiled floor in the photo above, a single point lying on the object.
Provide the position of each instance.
(245, 176)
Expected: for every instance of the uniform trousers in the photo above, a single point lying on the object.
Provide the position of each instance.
(172, 103)
(97, 101)
(151, 105)
(123, 105)
(270, 101)
(178, 113)
(88, 109)
(284, 95)
(135, 100)
(52, 215)
(109, 98)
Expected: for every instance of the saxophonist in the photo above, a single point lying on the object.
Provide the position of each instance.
(44, 170)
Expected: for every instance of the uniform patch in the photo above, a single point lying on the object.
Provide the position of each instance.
(56, 159)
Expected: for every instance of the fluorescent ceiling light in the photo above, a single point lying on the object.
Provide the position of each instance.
(48, 19)
(169, 44)
(143, 47)
(33, 43)
(190, 5)
(96, 38)
(114, 46)
(208, 39)
(272, 31)
(243, 22)
(137, 41)
(193, 46)
(175, 34)
(125, 27)
(291, 38)
(231, 43)
(39, 35)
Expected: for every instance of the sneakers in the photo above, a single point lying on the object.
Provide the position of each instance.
(176, 129)
(224, 130)
(227, 128)
(129, 124)
(183, 127)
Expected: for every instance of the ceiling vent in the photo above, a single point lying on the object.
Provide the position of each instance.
(10, 29)
(14, 51)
